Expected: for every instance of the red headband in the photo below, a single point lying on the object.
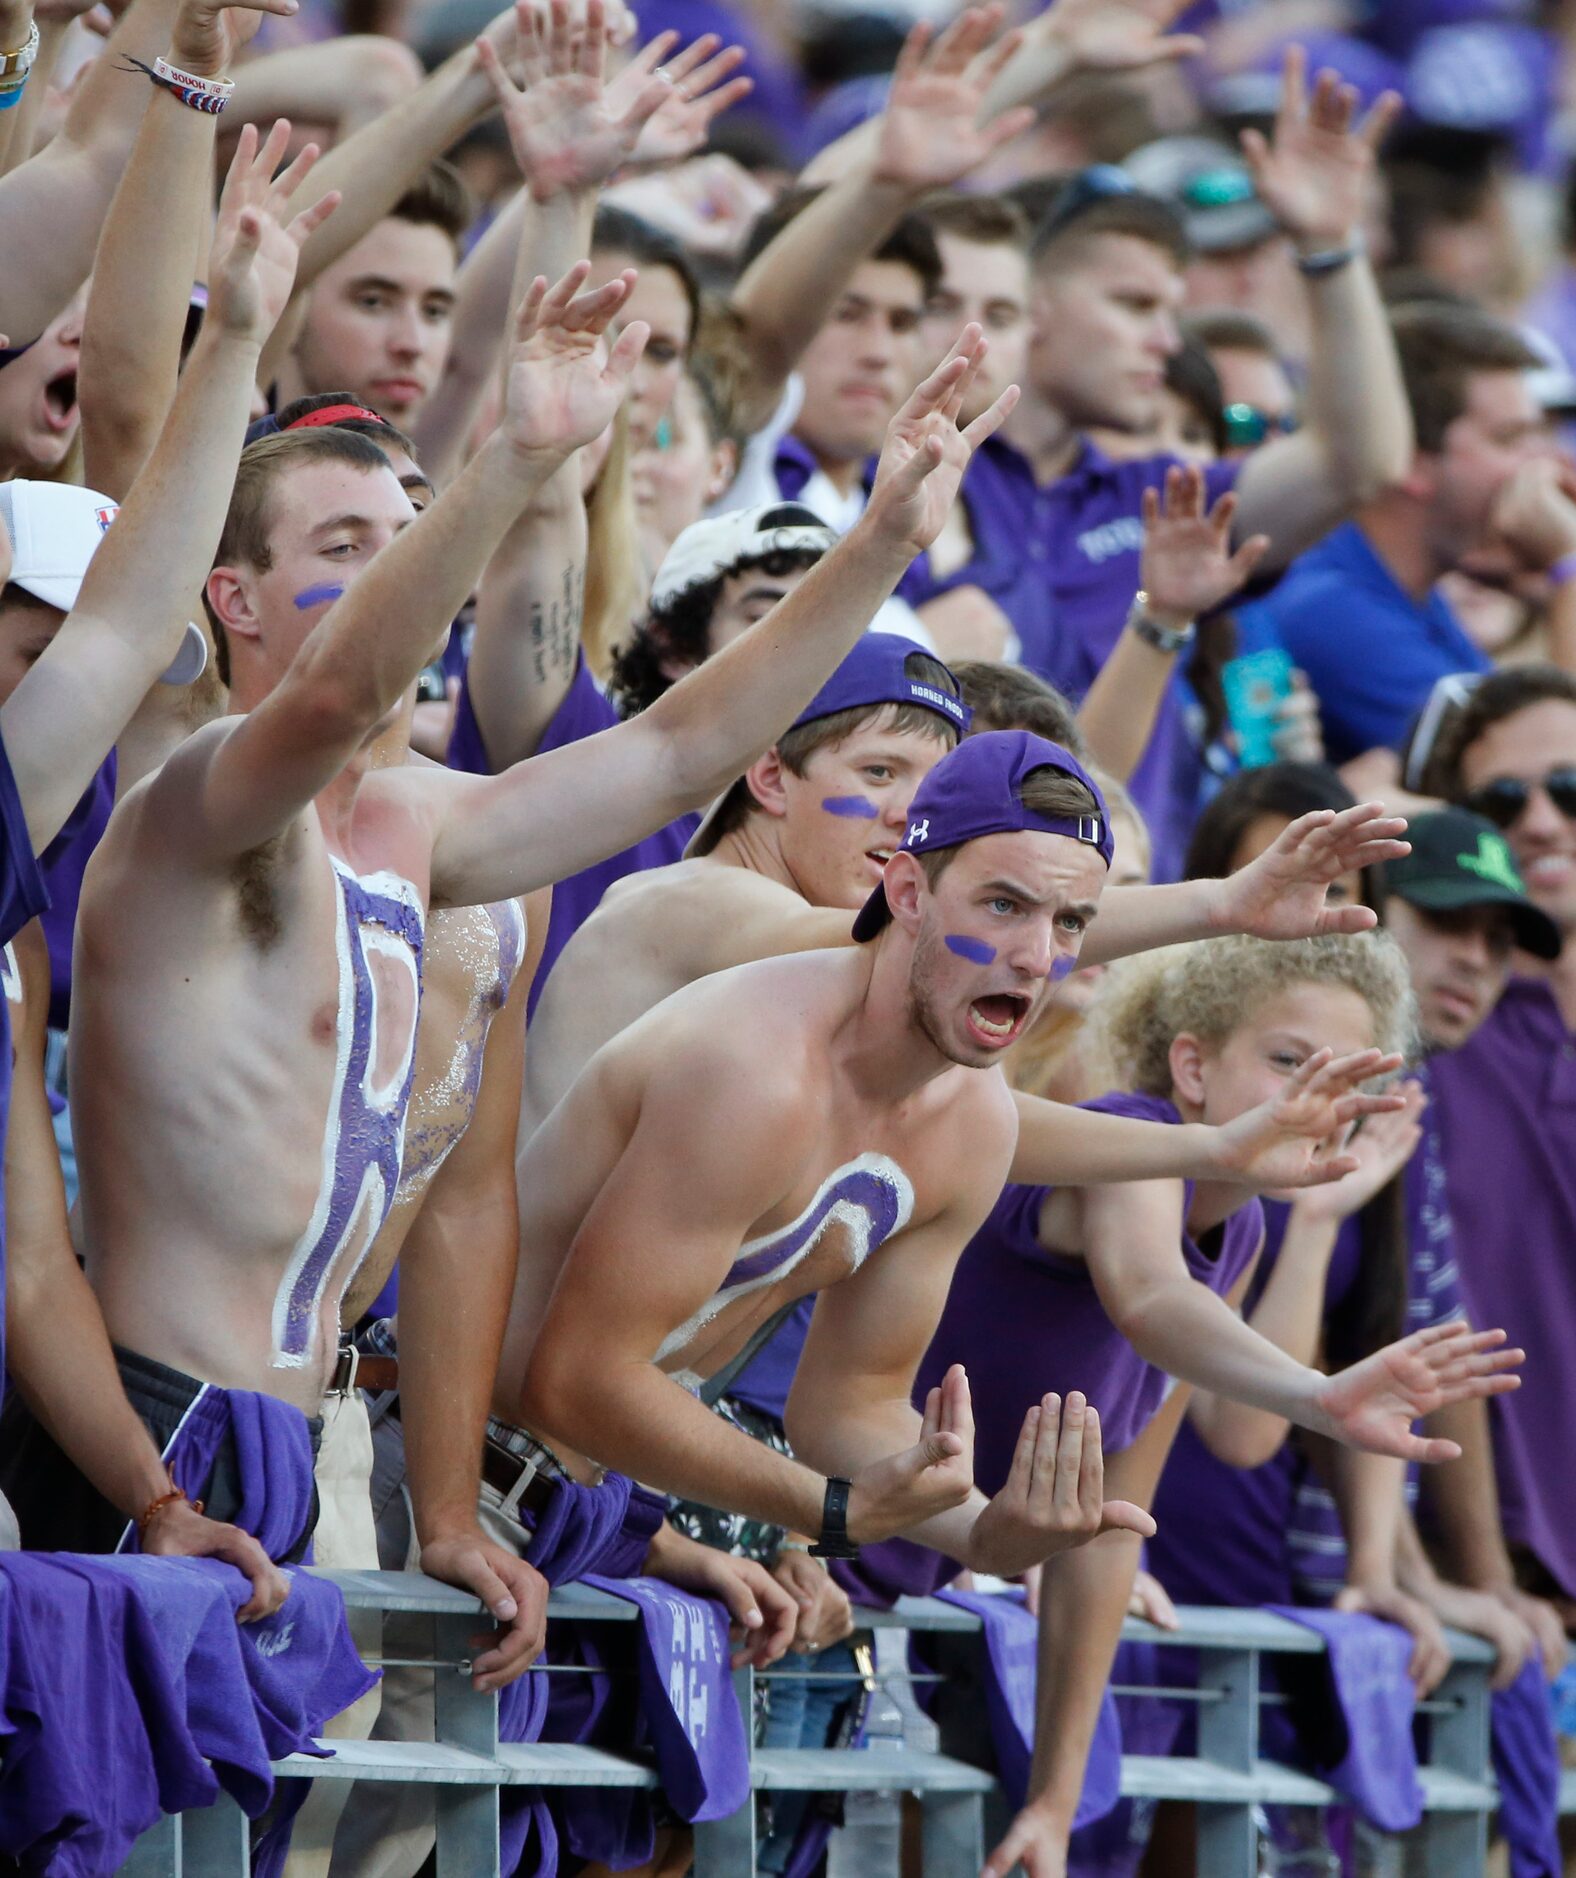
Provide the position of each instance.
(335, 414)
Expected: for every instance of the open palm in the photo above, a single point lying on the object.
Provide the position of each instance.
(1284, 892)
(1118, 35)
(564, 384)
(1381, 1148)
(1314, 172)
(1296, 1138)
(930, 133)
(256, 242)
(1373, 1404)
(1187, 566)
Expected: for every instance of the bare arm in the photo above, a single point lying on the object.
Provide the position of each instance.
(1083, 1599)
(506, 834)
(58, 1350)
(928, 137)
(1089, 35)
(340, 84)
(68, 711)
(1357, 431)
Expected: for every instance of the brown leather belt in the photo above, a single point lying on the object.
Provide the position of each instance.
(376, 1374)
(502, 1472)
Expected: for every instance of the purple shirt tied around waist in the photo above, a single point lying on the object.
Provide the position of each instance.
(1023, 1321)
(584, 712)
(1092, 520)
(1505, 1106)
(23, 896)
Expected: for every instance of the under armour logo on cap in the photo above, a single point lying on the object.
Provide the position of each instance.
(917, 831)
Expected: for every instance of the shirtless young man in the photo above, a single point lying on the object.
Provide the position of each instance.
(278, 887)
(764, 1135)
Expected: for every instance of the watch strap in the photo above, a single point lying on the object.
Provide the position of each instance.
(1162, 638)
(834, 1541)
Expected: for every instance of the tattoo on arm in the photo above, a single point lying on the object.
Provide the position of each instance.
(555, 627)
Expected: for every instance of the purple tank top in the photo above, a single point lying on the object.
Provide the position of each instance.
(1023, 1321)
(365, 1131)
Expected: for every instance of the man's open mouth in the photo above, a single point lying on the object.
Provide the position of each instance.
(60, 399)
(997, 1018)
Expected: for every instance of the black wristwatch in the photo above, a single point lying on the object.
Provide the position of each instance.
(834, 1541)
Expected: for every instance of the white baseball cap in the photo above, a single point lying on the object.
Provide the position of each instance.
(55, 529)
(721, 543)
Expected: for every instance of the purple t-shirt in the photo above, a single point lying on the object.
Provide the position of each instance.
(63, 862)
(23, 896)
(1505, 1105)
(1092, 521)
(1023, 1320)
(583, 713)
(1010, 563)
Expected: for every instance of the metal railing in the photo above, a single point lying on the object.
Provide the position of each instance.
(467, 1766)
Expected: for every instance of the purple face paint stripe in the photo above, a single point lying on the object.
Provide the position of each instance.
(1061, 968)
(860, 807)
(974, 950)
(315, 596)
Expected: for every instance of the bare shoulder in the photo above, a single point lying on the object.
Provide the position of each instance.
(974, 1133)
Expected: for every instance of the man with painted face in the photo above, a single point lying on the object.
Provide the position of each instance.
(850, 1154)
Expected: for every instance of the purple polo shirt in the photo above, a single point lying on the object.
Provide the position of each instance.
(585, 712)
(1092, 521)
(63, 863)
(1506, 1110)
(1010, 563)
(1023, 1320)
(23, 896)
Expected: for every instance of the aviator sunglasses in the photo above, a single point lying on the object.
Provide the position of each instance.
(1504, 800)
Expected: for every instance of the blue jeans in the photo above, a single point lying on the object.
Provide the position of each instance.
(800, 1715)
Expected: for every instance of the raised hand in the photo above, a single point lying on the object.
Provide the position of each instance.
(930, 133)
(1296, 1138)
(255, 248)
(568, 128)
(1283, 894)
(925, 453)
(179, 1530)
(1054, 1498)
(1187, 566)
(1116, 35)
(515, 1595)
(208, 33)
(564, 385)
(700, 87)
(1314, 173)
(1381, 1148)
(933, 1476)
(1373, 1404)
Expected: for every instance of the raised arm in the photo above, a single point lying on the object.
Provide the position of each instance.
(244, 784)
(562, 811)
(67, 712)
(1187, 568)
(1357, 431)
(148, 256)
(928, 137)
(1089, 36)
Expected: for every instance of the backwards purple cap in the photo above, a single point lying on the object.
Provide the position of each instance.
(977, 789)
(873, 673)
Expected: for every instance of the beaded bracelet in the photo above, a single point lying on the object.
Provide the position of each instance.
(209, 95)
(154, 1507)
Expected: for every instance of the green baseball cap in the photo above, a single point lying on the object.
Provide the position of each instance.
(1459, 859)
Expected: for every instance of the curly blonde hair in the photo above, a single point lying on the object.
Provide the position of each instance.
(1212, 987)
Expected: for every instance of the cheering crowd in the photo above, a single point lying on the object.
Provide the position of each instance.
(789, 801)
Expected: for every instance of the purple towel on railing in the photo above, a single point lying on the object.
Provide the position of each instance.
(1011, 1639)
(583, 1529)
(180, 1700)
(687, 1700)
(1527, 1766)
(1375, 1765)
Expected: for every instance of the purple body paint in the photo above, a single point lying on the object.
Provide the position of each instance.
(860, 807)
(974, 950)
(1061, 968)
(315, 596)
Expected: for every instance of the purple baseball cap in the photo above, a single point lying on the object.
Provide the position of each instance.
(976, 790)
(871, 674)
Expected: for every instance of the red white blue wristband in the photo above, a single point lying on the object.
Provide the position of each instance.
(208, 95)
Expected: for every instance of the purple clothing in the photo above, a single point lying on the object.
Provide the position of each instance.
(1505, 1105)
(63, 863)
(1527, 1767)
(765, 1380)
(1091, 519)
(1010, 565)
(583, 713)
(23, 896)
(1023, 1320)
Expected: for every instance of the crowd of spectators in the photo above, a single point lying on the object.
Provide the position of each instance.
(789, 803)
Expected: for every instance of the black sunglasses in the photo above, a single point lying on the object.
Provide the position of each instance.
(1504, 800)
(1098, 183)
